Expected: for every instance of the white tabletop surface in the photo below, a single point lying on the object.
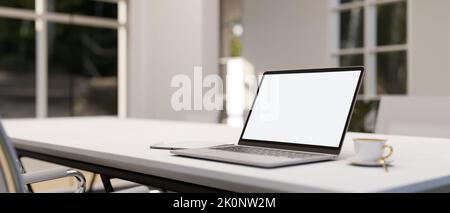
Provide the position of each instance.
(420, 164)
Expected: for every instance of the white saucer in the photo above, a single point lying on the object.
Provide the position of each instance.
(356, 161)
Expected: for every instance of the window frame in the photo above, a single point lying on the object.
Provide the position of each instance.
(42, 17)
(370, 48)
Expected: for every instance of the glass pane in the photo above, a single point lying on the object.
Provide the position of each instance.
(364, 116)
(351, 29)
(391, 73)
(84, 7)
(352, 60)
(392, 24)
(349, 1)
(25, 4)
(82, 71)
(17, 68)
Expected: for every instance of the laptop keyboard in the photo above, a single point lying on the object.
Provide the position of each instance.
(267, 152)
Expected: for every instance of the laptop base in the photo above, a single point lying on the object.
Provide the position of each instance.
(263, 161)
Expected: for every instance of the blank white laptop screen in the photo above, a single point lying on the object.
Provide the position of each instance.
(303, 108)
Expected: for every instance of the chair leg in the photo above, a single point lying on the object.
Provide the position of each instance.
(92, 183)
(107, 183)
(22, 169)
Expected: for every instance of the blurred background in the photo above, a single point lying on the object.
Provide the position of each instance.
(63, 58)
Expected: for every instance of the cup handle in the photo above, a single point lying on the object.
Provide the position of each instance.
(390, 149)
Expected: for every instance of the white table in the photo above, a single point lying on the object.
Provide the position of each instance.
(120, 148)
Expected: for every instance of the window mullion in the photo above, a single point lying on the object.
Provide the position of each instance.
(41, 26)
(122, 59)
(370, 34)
(335, 35)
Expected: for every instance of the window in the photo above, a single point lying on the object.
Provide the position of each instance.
(17, 68)
(372, 33)
(25, 4)
(86, 82)
(105, 9)
(63, 57)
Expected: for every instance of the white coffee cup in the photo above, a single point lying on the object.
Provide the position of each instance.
(372, 150)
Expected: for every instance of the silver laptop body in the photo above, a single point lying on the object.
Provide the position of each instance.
(298, 116)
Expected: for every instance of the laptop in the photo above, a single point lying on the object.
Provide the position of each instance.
(297, 117)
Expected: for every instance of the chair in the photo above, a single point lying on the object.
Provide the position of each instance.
(414, 116)
(13, 181)
(93, 182)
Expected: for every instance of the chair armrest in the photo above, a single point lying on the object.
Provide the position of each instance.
(56, 173)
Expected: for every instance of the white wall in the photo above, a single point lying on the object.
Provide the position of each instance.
(286, 34)
(430, 48)
(169, 37)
